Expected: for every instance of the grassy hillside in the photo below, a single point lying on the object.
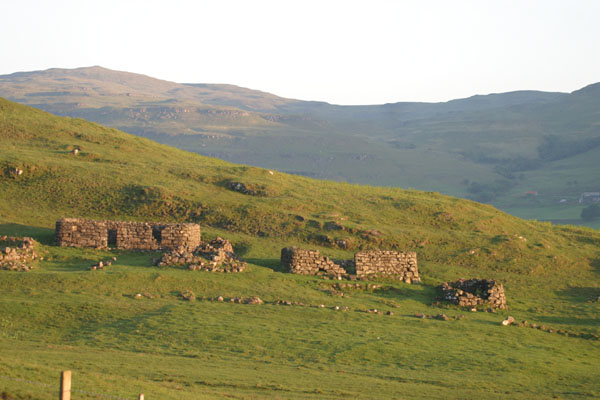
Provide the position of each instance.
(61, 316)
(490, 148)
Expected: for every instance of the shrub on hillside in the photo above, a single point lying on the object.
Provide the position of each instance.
(590, 213)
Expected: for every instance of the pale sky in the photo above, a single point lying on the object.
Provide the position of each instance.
(342, 52)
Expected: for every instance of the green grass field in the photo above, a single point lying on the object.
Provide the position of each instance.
(62, 316)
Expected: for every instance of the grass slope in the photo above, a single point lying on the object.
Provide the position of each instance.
(61, 316)
(483, 147)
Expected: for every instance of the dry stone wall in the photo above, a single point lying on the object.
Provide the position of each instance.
(81, 233)
(16, 253)
(387, 263)
(126, 235)
(369, 263)
(474, 292)
(309, 262)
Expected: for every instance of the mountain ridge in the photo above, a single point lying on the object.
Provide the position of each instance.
(485, 147)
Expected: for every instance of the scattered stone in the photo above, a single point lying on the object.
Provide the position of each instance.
(442, 317)
(473, 309)
(420, 315)
(100, 265)
(321, 306)
(189, 296)
(138, 296)
(220, 298)
(508, 321)
(253, 300)
(389, 313)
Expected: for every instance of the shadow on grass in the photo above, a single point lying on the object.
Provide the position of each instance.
(42, 235)
(424, 294)
(579, 294)
(271, 263)
(567, 320)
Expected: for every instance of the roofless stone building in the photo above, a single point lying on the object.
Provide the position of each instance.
(127, 235)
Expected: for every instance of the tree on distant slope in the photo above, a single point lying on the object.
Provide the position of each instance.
(590, 213)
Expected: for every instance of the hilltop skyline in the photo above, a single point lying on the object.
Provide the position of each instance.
(338, 52)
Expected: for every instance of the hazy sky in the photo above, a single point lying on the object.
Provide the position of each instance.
(344, 52)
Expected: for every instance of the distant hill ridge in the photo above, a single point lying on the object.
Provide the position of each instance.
(489, 148)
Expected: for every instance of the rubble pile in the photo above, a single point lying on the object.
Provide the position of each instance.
(16, 253)
(474, 292)
(215, 256)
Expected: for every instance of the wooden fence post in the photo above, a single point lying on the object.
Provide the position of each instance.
(65, 385)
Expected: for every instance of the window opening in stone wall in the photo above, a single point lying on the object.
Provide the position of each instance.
(157, 233)
(112, 238)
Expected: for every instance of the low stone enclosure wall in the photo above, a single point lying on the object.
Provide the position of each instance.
(367, 263)
(474, 292)
(126, 235)
(16, 253)
(309, 262)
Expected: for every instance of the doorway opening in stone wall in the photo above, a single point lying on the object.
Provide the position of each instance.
(112, 238)
(157, 233)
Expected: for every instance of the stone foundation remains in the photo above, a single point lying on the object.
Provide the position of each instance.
(126, 235)
(375, 263)
(309, 262)
(384, 263)
(474, 292)
(216, 256)
(16, 253)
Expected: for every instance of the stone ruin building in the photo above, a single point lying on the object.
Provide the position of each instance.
(182, 246)
(126, 235)
(215, 256)
(181, 242)
(16, 253)
(373, 263)
(474, 292)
